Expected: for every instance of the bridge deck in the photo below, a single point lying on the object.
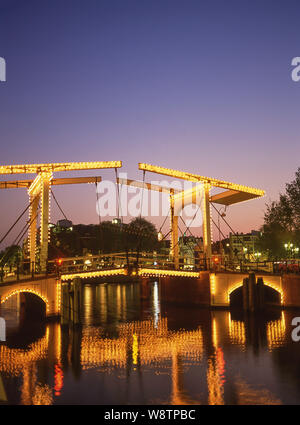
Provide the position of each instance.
(147, 272)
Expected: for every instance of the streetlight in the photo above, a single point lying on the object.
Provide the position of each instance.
(160, 236)
(296, 251)
(289, 248)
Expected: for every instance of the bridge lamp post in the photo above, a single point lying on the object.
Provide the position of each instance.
(296, 251)
(289, 248)
(257, 255)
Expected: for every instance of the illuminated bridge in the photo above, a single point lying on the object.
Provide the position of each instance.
(201, 288)
(207, 285)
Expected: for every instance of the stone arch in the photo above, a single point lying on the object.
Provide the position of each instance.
(233, 288)
(5, 297)
(266, 283)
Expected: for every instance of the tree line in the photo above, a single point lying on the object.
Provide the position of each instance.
(280, 233)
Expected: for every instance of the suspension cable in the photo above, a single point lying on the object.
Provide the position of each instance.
(236, 234)
(189, 247)
(164, 220)
(19, 238)
(18, 219)
(178, 238)
(219, 228)
(25, 228)
(188, 228)
(166, 235)
(58, 205)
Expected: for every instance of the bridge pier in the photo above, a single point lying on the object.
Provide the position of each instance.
(65, 304)
(174, 232)
(71, 302)
(253, 293)
(291, 290)
(186, 290)
(260, 293)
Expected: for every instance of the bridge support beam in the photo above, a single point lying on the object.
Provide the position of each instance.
(39, 191)
(174, 234)
(45, 187)
(206, 221)
(34, 200)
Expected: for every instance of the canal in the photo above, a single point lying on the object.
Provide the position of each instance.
(129, 351)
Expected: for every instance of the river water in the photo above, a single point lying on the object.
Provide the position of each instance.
(133, 352)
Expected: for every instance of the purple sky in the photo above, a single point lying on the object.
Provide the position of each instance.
(200, 86)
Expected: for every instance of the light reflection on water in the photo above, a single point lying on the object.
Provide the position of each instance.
(134, 352)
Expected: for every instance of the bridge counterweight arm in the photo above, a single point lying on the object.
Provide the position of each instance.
(55, 167)
(21, 184)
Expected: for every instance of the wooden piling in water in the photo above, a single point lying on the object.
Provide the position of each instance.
(76, 283)
(252, 293)
(65, 304)
(71, 302)
(245, 294)
(260, 293)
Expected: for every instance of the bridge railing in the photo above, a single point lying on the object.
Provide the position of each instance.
(133, 260)
(25, 270)
(273, 267)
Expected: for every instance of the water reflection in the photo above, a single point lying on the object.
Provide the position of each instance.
(132, 352)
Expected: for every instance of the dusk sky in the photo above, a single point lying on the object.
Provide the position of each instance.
(199, 86)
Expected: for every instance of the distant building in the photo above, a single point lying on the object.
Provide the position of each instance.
(243, 245)
(61, 226)
(64, 224)
(164, 247)
(190, 249)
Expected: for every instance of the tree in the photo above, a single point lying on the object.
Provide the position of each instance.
(293, 195)
(10, 256)
(107, 237)
(142, 236)
(282, 221)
